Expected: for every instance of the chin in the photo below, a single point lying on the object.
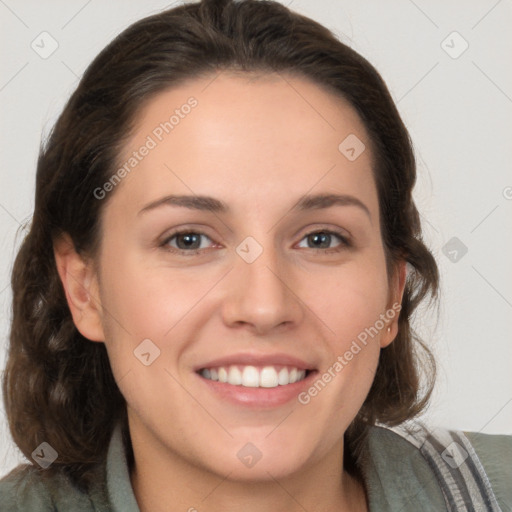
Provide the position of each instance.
(258, 461)
(263, 471)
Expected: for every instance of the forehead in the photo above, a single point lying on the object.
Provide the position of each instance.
(230, 134)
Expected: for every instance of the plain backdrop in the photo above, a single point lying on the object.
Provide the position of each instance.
(447, 65)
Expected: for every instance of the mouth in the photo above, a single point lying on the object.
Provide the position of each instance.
(257, 381)
(250, 376)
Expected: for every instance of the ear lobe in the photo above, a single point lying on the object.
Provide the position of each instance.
(80, 285)
(395, 303)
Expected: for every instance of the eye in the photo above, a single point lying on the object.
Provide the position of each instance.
(190, 242)
(322, 240)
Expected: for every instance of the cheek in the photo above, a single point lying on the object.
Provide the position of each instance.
(146, 302)
(149, 303)
(141, 309)
(351, 299)
(351, 307)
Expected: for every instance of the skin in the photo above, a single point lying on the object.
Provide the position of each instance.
(258, 143)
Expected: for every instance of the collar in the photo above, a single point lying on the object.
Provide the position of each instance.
(119, 487)
(395, 473)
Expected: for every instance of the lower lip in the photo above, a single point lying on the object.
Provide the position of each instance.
(258, 397)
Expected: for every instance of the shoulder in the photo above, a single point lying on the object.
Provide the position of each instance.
(22, 489)
(495, 454)
(27, 488)
(468, 466)
(397, 475)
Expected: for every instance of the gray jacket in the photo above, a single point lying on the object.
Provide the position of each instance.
(405, 469)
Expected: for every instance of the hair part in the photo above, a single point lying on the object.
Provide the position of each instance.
(58, 386)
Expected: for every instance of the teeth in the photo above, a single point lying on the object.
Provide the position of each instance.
(253, 377)
(223, 375)
(268, 377)
(282, 377)
(250, 377)
(234, 376)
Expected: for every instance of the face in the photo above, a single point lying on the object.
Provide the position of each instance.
(242, 278)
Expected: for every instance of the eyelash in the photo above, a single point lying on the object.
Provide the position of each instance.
(345, 243)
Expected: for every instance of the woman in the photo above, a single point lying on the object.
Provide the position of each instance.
(212, 308)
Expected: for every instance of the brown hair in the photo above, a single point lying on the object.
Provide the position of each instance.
(58, 386)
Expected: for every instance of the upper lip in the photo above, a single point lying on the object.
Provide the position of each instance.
(247, 359)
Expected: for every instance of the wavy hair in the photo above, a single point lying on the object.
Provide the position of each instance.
(58, 386)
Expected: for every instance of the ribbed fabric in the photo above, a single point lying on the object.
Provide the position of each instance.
(456, 466)
(409, 468)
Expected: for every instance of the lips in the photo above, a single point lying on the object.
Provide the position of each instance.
(261, 380)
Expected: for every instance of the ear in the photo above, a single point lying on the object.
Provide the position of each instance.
(81, 288)
(395, 303)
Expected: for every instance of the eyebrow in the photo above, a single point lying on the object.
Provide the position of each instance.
(210, 204)
(319, 201)
(203, 203)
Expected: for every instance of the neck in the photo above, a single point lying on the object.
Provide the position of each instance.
(161, 477)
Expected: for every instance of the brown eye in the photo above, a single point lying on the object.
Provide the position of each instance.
(320, 240)
(324, 239)
(186, 242)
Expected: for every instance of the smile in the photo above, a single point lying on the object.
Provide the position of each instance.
(253, 376)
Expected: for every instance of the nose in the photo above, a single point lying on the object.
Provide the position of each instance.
(260, 295)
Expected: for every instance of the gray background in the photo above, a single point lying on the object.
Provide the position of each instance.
(457, 107)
